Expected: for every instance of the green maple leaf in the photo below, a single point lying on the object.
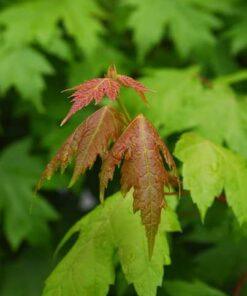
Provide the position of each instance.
(22, 22)
(18, 174)
(208, 169)
(181, 101)
(17, 66)
(188, 24)
(238, 31)
(183, 288)
(80, 22)
(110, 234)
(22, 28)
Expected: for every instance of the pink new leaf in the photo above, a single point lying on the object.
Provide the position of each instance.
(97, 88)
(90, 90)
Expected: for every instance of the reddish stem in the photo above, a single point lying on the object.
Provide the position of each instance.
(240, 284)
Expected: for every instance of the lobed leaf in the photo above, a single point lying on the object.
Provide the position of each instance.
(237, 32)
(19, 60)
(106, 238)
(21, 29)
(208, 169)
(97, 88)
(186, 23)
(80, 19)
(132, 83)
(90, 139)
(142, 149)
(94, 89)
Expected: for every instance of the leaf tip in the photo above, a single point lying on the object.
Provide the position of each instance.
(102, 197)
(63, 121)
(73, 180)
(202, 214)
(151, 241)
(71, 183)
(38, 185)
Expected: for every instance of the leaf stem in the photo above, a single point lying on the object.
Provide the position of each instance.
(240, 284)
(124, 110)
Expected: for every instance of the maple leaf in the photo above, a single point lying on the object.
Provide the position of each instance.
(80, 19)
(107, 237)
(20, 77)
(90, 139)
(97, 88)
(208, 169)
(143, 168)
(22, 29)
(237, 33)
(186, 22)
(94, 89)
(132, 83)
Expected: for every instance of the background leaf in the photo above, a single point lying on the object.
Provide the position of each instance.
(188, 25)
(18, 176)
(111, 229)
(176, 108)
(208, 169)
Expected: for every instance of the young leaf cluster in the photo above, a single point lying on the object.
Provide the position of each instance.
(138, 144)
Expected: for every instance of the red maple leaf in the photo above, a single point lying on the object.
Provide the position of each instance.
(94, 89)
(97, 88)
(90, 139)
(142, 151)
(132, 83)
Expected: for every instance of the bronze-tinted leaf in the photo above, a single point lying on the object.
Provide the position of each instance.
(97, 88)
(132, 83)
(90, 139)
(143, 168)
(90, 90)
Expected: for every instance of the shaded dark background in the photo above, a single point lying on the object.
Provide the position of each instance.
(47, 46)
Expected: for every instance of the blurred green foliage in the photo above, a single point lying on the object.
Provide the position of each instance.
(193, 55)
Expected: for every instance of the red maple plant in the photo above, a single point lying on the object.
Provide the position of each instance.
(137, 145)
